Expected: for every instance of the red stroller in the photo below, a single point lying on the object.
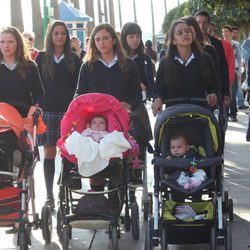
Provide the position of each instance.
(93, 210)
(18, 157)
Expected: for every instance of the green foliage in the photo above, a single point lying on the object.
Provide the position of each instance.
(232, 12)
(174, 15)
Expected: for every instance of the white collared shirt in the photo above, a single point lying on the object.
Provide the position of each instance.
(185, 63)
(13, 66)
(113, 62)
(57, 60)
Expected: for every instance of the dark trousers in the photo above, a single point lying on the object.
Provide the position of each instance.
(232, 111)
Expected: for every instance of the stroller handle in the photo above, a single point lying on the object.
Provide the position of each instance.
(193, 100)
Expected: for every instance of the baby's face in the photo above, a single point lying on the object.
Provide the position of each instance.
(178, 147)
(98, 124)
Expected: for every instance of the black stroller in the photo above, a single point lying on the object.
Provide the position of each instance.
(138, 178)
(200, 127)
(92, 210)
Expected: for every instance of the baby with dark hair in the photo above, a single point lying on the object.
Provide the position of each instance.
(179, 148)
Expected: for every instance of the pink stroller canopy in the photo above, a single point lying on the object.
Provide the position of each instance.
(82, 109)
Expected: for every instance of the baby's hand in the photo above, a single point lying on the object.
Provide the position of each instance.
(169, 157)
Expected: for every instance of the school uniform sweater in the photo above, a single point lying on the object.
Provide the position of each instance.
(13, 88)
(125, 86)
(60, 90)
(189, 82)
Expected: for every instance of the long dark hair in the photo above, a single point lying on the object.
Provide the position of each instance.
(170, 59)
(22, 54)
(128, 29)
(190, 21)
(48, 68)
(93, 53)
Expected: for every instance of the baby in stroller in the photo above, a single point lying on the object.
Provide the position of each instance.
(179, 149)
(97, 151)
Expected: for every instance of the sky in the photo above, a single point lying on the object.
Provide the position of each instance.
(143, 8)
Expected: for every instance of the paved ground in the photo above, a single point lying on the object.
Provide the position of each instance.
(237, 176)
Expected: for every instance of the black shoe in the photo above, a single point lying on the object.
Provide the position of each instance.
(243, 107)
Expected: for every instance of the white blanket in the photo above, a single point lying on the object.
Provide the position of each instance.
(93, 157)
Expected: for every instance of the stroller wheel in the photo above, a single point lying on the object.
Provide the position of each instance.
(127, 219)
(164, 243)
(135, 221)
(228, 238)
(230, 210)
(66, 236)
(22, 240)
(225, 204)
(46, 224)
(59, 224)
(114, 237)
(147, 207)
(212, 239)
(148, 245)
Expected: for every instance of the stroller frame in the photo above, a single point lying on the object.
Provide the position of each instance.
(157, 230)
(22, 180)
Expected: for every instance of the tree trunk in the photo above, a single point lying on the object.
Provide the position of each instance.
(76, 4)
(245, 29)
(120, 13)
(99, 11)
(56, 9)
(37, 24)
(105, 11)
(165, 7)
(111, 13)
(16, 14)
(153, 26)
(135, 16)
(89, 7)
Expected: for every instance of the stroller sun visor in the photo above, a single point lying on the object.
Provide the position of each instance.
(10, 119)
(82, 109)
(187, 110)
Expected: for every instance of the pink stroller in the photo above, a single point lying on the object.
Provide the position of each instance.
(94, 210)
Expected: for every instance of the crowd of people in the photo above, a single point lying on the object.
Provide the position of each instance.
(195, 63)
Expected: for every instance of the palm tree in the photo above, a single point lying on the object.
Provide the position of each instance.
(105, 11)
(16, 14)
(111, 13)
(165, 6)
(56, 9)
(135, 17)
(99, 11)
(37, 24)
(120, 13)
(89, 7)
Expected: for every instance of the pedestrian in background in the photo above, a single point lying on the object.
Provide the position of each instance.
(152, 54)
(131, 39)
(59, 68)
(77, 48)
(29, 38)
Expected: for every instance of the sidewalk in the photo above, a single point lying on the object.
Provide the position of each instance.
(237, 179)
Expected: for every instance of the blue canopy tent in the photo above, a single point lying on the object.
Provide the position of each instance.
(76, 20)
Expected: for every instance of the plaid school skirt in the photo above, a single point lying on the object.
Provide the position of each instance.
(53, 130)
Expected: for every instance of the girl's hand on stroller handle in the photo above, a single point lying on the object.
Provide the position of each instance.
(212, 99)
(157, 106)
